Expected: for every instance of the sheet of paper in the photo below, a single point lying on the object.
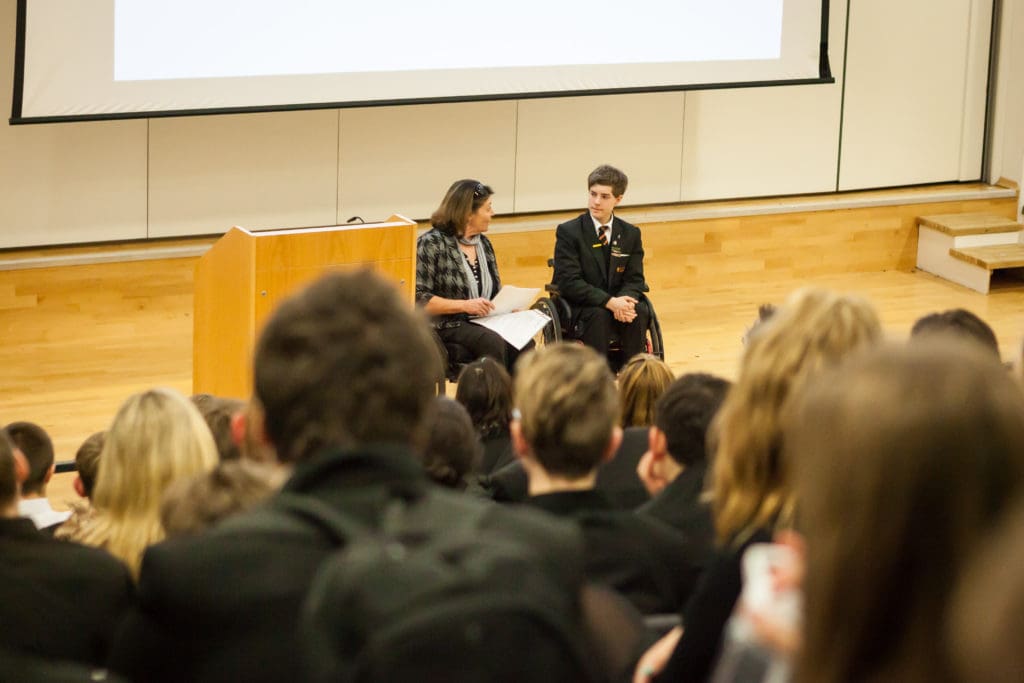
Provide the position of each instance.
(516, 328)
(514, 299)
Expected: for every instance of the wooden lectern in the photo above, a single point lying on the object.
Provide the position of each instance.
(245, 274)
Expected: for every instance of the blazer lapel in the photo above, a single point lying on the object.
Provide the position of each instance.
(589, 237)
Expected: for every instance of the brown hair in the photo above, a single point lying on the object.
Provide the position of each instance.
(642, 380)
(568, 406)
(87, 460)
(987, 612)
(461, 200)
(35, 444)
(749, 481)
(684, 413)
(904, 460)
(197, 503)
(217, 412)
(342, 363)
(610, 176)
(958, 322)
(452, 448)
(485, 389)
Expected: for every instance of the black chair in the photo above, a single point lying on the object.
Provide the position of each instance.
(558, 309)
(454, 357)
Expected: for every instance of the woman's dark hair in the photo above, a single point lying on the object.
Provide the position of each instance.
(462, 199)
(452, 449)
(485, 390)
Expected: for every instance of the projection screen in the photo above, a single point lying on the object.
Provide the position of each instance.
(99, 59)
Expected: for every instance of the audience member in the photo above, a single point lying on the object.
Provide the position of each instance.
(642, 380)
(451, 449)
(87, 465)
(750, 483)
(485, 389)
(566, 428)
(35, 444)
(156, 437)
(344, 372)
(674, 465)
(58, 601)
(904, 461)
(218, 413)
(958, 322)
(193, 504)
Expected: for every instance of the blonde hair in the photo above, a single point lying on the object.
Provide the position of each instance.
(157, 437)
(750, 485)
(568, 404)
(642, 381)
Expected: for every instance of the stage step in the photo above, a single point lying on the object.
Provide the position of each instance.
(992, 258)
(967, 248)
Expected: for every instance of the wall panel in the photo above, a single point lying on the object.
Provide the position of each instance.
(402, 159)
(274, 170)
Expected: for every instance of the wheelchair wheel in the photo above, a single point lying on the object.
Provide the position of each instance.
(552, 332)
(655, 342)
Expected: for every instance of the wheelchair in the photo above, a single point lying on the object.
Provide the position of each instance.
(560, 312)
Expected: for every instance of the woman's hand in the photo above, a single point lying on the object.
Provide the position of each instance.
(478, 307)
(657, 656)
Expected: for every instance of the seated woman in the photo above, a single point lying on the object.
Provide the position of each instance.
(457, 274)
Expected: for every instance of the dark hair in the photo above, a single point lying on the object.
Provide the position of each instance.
(35, 444)
(8, 472)
(959, 322)
(904, 461)
(87, 460)
(610, 176)
(684, 413)
(344, 362)
(452, 448)
(196, 503)
(462, 199)
(217, 412)
(485, 390)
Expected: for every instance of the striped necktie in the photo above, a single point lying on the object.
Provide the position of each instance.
(602, 235)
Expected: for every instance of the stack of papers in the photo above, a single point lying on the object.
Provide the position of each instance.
(512, 318)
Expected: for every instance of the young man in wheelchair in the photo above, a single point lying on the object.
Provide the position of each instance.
(599, 270)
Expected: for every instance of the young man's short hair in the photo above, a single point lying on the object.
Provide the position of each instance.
(610, 176)
(568, 407)
(684, 412)
(960, 323)
(342, 363)
(87, 460)
(35, 444)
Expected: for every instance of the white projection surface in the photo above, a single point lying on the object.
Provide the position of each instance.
(97, 58)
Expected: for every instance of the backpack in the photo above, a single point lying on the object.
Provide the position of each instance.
(439, 593)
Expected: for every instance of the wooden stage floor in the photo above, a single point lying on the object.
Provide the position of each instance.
(80, 339)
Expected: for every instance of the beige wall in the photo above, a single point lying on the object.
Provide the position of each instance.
(115, 180)
(1007, 154)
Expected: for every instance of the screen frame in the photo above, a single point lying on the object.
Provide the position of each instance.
(824, 77)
